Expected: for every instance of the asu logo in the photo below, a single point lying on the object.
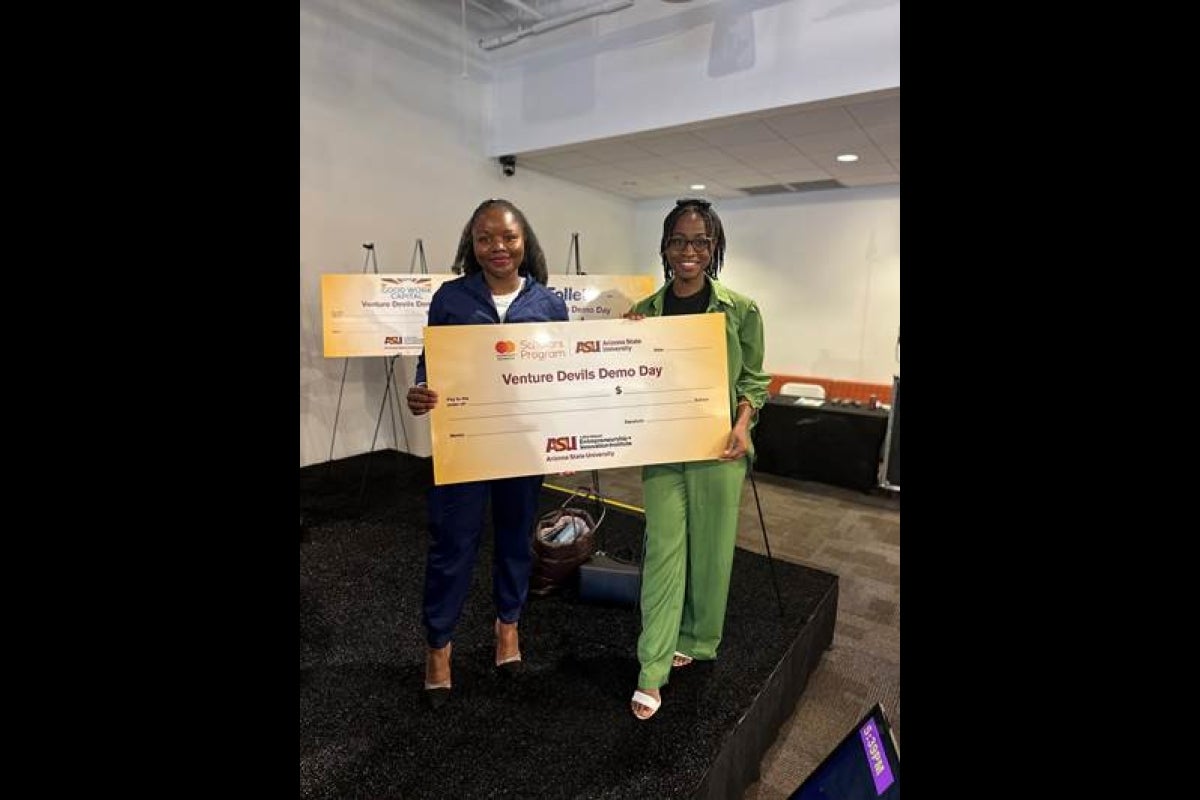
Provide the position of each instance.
(391, 340)
(558, 444)
(588, 347)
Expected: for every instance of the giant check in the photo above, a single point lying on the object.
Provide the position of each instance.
(545, 397)
(376, 315)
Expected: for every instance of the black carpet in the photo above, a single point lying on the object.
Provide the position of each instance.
(562, 728)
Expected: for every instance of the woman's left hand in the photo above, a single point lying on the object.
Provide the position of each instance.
(737, 446)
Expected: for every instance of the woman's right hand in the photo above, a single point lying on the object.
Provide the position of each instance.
(633, 316)
(421, 399)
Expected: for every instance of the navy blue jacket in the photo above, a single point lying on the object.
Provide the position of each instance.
(468, 301)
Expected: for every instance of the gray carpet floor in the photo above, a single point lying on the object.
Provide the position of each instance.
(856, 536)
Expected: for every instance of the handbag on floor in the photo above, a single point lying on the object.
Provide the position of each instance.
(605, 580)
(564, 539)
(610, 579)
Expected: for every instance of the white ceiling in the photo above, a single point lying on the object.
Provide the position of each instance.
(780, 150)
(777, 151)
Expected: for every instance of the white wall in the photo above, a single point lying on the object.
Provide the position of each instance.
(391, 150)
(653, 66)
(825, 269)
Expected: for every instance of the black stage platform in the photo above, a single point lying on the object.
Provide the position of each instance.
(561, 729)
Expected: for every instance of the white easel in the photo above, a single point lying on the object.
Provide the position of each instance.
(392, 384)
(391, 398)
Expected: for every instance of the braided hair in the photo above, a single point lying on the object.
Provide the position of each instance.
(534, 262)
(712, 225)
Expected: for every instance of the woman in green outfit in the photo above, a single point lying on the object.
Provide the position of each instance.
(692, 508)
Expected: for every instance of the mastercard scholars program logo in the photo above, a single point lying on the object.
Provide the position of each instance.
(506, 350)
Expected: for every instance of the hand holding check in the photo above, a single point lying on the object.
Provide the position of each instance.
(421, 399)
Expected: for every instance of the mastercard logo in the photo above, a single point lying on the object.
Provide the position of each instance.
(503, 347)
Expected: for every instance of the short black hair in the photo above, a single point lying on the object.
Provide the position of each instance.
(712, 226)
(534, 262)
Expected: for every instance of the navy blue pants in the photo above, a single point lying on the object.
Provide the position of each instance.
(455, 528)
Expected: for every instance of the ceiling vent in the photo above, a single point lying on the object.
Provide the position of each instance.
(790, 188)
(772, 188)
(816, 186)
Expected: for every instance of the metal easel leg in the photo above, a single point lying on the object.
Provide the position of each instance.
(396, 387)
(337, 413)
(392, 392)
(389, 386)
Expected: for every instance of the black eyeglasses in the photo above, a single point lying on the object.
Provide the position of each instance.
(693, 201)
(701, 244)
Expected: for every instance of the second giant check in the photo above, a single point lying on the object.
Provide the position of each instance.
(369, 314)
(546, 397)
(375, 315)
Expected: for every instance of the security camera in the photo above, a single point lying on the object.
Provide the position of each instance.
(509, 164)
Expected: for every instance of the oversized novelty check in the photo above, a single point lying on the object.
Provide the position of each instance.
(600, 296)
(376, 315)
(384, 315)
(546, 397)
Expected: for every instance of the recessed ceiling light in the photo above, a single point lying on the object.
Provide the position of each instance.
(696, 187)
(847, 157)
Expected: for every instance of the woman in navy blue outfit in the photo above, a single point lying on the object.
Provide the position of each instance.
(504, 280)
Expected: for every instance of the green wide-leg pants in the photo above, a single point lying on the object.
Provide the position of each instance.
(691, 529)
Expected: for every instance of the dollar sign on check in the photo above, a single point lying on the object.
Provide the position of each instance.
(618, 390)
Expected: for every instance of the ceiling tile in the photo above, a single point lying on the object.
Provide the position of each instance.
(867, 156)
(599, 172)
(665, 145)
(557, 161)
(643, 166)
(804, 123)
(704, 159)
(617, 151)
(744, 132)
(884, 135)
(876, 112)
(738, 177)
(776, 164)
(759, 151)
(815, 145)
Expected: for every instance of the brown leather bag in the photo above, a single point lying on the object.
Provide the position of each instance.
(555, 563)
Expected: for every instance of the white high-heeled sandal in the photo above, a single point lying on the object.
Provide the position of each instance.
(643, 699)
